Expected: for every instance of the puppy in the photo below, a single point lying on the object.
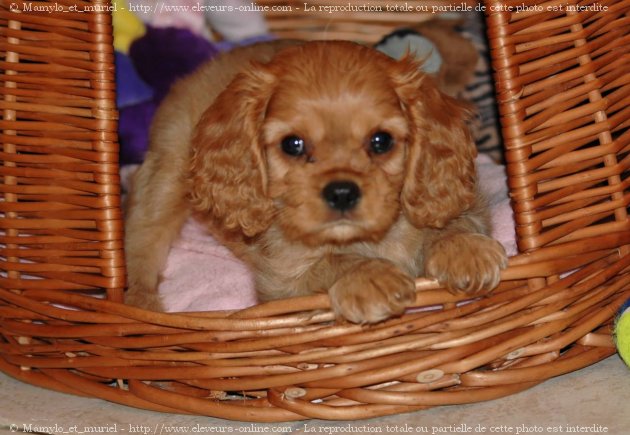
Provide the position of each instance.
(324, 166)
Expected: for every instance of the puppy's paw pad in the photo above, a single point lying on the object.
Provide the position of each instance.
(466, 263)
(372, 291)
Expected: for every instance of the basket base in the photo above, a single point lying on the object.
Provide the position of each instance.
(575, 399)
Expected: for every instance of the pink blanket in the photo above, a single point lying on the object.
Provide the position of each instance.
(202, 275)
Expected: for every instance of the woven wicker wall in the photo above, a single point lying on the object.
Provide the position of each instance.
(338, 19)
(562, 79)
(61, 216)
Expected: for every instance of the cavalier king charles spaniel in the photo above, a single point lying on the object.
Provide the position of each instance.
(325, 167)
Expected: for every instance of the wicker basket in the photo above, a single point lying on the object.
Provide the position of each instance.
(563, 83)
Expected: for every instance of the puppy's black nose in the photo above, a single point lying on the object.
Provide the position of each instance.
(341, 195)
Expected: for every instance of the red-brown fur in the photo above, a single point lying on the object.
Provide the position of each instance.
(216, 153)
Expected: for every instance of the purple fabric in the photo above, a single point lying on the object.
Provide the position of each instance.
(129, 86)
(165, 54)
(133, 131)
(160, 57)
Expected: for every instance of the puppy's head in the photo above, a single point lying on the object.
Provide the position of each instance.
(332, 141)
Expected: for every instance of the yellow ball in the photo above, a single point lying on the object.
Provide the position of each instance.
(622, 335)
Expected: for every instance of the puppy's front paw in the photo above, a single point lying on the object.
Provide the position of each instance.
(467, 262)
(372, 291)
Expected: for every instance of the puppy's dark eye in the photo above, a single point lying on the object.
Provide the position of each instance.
(293, 146)
(381, 142)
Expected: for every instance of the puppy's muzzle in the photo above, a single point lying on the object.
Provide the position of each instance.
(341, 195)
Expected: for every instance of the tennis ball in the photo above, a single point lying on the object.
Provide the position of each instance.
(622, 332)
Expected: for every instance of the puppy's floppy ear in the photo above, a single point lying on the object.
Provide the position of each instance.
(440, 174)
(228, 176)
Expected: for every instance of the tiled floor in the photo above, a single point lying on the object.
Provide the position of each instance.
(592, 400)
